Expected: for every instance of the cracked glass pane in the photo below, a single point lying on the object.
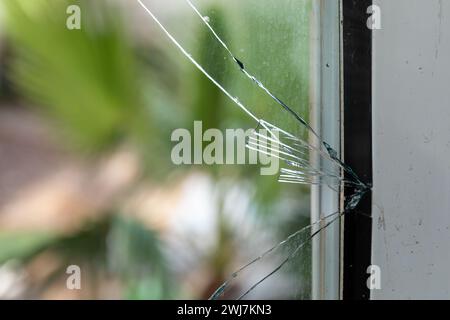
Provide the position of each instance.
(116, 91)
(269, 50)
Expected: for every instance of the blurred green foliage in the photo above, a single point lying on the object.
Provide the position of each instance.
(115, 246)
(102, 90)
(19, 246)
(86, 78)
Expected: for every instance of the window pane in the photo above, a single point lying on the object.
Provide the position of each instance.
(161, 99)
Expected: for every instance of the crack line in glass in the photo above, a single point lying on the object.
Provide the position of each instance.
(291, 153)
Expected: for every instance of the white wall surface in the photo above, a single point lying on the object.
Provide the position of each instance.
(411, 149)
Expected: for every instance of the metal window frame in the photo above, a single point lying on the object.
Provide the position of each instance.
(341, 111)
(326, 118)
(357, 139)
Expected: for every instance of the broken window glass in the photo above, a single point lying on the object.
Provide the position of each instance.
(225, 231)
(257, 54)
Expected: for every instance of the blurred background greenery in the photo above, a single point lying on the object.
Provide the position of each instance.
(85, 167)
